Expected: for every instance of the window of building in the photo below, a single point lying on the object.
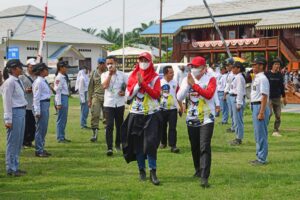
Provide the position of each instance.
(84, 50)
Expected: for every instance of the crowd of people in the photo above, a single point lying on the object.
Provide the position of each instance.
(153, 103)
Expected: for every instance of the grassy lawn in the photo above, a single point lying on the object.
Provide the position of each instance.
(81, 170)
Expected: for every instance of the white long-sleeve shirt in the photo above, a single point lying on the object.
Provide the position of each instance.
(82, 88)
(41, 91)
(222, 82)
(13, 96)
(229, 79)
(238, 87)
(60, 87)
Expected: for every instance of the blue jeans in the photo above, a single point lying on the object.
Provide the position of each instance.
(84, 112)
(141, 161)
(42, 127)
(15, 136)
(261, 133)
(224, 107)
(238, 118)
(230, 104)
(62, 116)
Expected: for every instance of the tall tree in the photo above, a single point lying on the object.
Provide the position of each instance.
(111, 35)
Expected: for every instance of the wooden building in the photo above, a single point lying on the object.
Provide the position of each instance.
(269, 28)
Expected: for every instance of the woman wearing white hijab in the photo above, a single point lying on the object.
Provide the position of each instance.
(81, 85)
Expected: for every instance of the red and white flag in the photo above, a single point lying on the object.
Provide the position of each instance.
(43, 35)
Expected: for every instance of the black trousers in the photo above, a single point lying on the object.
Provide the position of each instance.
(29, 128)
(200, 139)
(169, 117)
(113, 115)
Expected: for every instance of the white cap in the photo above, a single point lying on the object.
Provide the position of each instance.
(31, 61)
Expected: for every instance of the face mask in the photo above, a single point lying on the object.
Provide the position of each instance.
(144, 65)
(196, 71)
(110, 66)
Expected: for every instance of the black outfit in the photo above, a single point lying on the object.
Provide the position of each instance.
(29, 133)
(141, 133)
(276, 84)
(113, 115)
(200, 139)
(169, 117)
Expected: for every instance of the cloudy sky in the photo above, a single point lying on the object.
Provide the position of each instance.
(137, 11)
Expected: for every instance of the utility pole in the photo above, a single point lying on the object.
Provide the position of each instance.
(123, 42)
(160, 29)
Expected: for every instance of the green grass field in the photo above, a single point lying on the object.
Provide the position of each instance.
(81, 170)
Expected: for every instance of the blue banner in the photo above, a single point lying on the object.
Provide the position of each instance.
(13, 53)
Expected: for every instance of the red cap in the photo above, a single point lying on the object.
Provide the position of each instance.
(198, 61)
(146, 55)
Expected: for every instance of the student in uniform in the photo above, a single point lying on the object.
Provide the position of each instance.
(169, 106)
(82, 83)
(220, 90)
(14, 105)
(237, 96)
(230, 78)
(260, 90)
(61, 100)
(41, 103)
(141, 129)
(27, 80)
(200, 86)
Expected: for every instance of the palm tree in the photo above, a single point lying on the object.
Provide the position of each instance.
(111, 35)
(91, 31)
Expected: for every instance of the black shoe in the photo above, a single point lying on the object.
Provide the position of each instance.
(15, 174)
(256, 163)
(66, 140)
(142, 175)
(109, 152)
(236, 142)
(175, 150)
(95, 135)
(23, 172)
(197, 174)
(162, 146)
(41, 155)
(204, 182)
(47, 153)
(62, 141)
(93, 139)
(153, 177)
(229, 130)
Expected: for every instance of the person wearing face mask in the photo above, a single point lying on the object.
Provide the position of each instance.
(199, 87)
(142, 127)
(82, 83)
(114, 83)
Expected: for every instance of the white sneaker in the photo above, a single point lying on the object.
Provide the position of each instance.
(276, 134)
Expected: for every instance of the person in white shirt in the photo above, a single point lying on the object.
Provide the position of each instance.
(27, 80)
(181, 74)
(169, 106)
(200, 87)
(237, 97)
(230, 78)
(82, 84)
(220, 90)
(61, 100)
(114, 83)
(14, 109)
(41, 103)
(260, 91)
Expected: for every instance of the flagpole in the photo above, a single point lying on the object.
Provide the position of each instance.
(123, 57)
(218, 30)
(39, 56)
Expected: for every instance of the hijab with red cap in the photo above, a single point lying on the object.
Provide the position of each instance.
(148, 75)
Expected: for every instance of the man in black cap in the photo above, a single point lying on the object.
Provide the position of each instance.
(276, 92)
(260, 92)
